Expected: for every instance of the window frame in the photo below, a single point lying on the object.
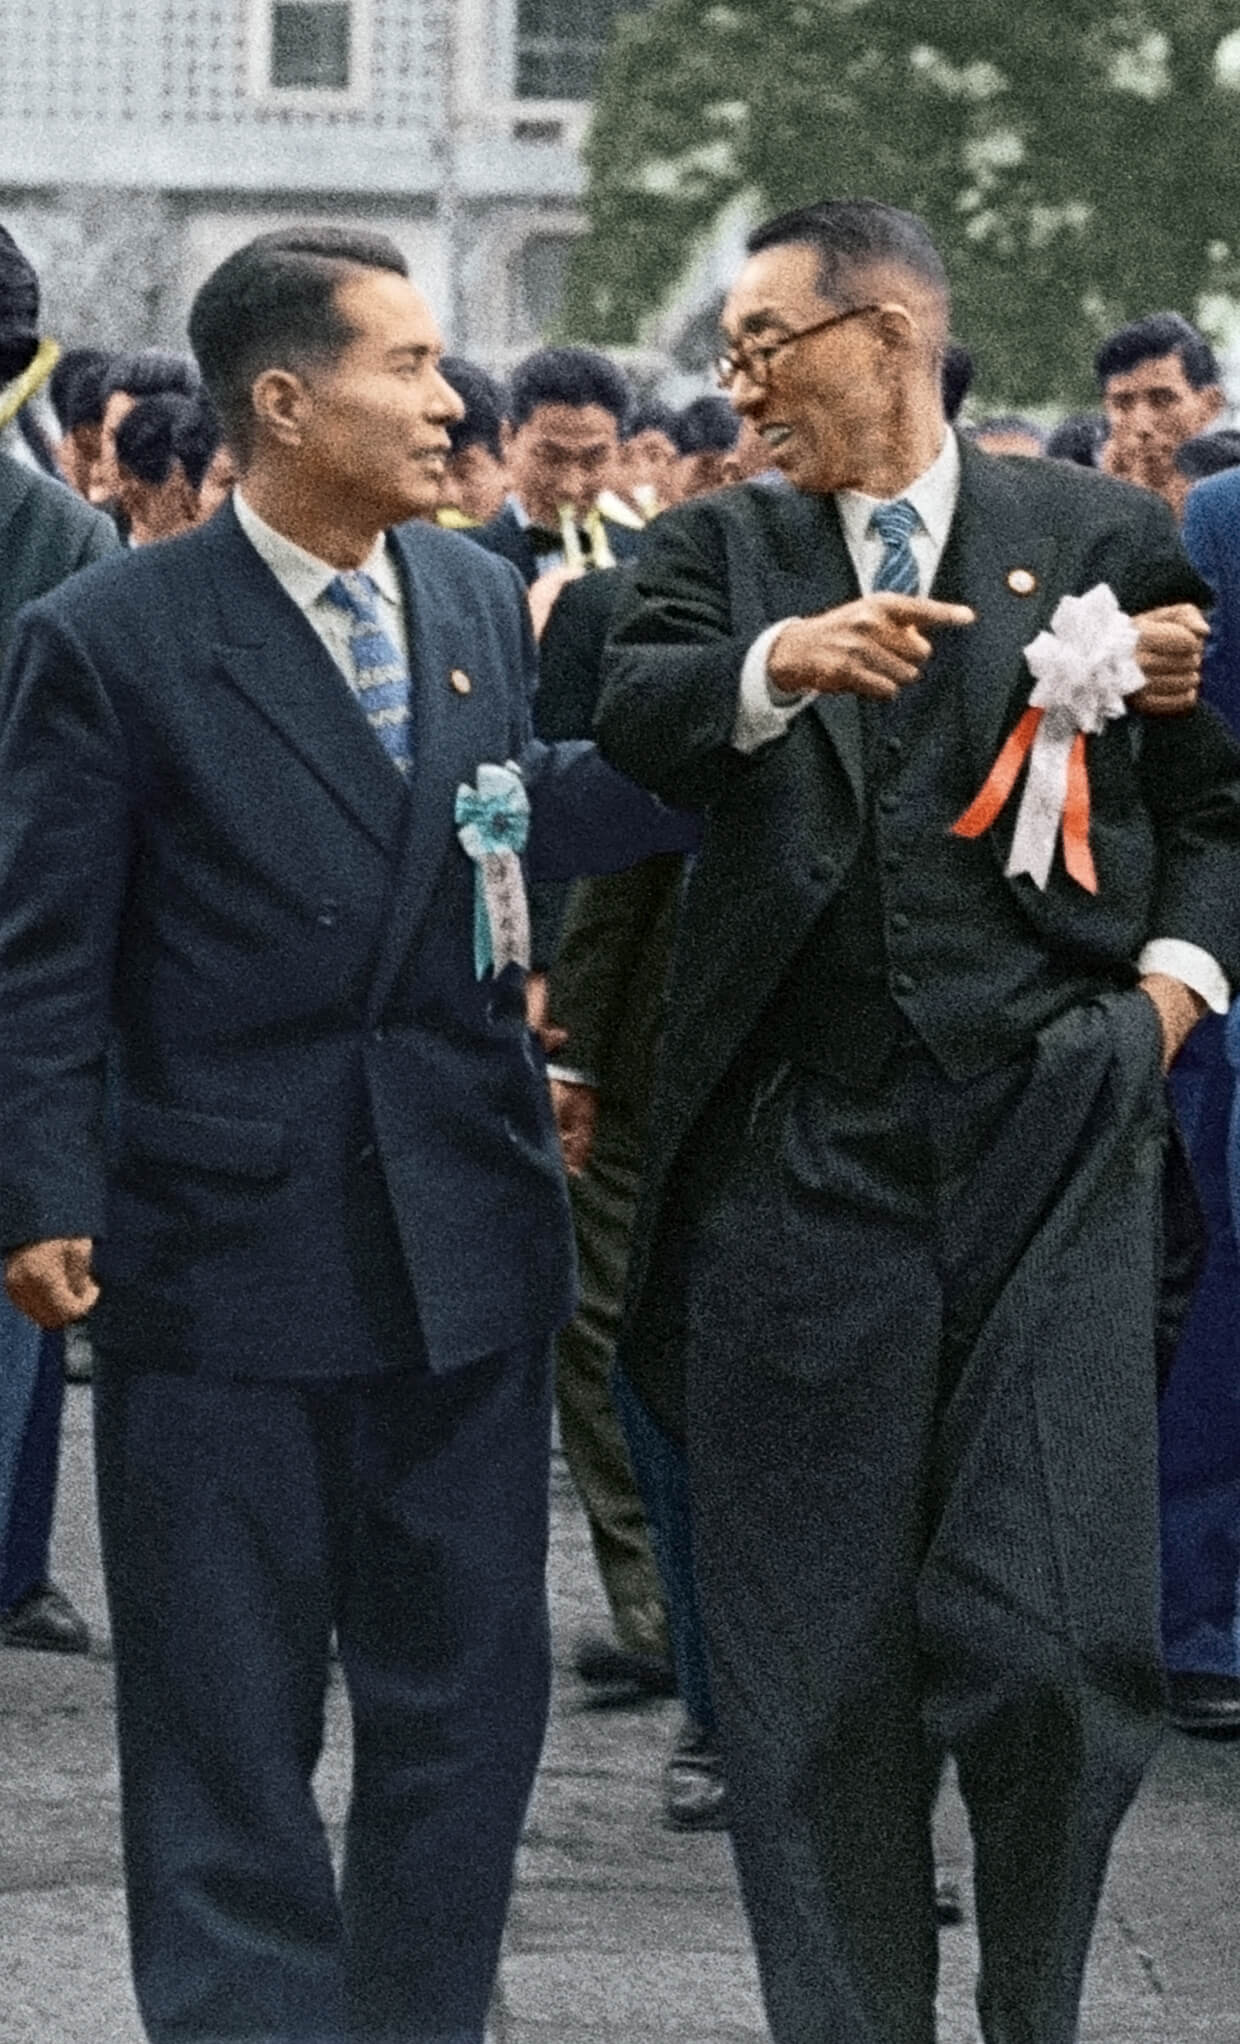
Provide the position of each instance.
(311, 98)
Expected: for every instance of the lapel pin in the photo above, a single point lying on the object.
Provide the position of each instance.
(461, 681)
(1022, 581)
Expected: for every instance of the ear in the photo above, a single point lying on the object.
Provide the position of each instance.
(1212, 401)
(280, 400)
(896, 326)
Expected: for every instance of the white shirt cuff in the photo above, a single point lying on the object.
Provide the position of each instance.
(1193, 967)
(569, 1075)
(761, 714)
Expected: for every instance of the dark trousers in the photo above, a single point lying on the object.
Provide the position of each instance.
(242, 1522)
(1200, 1413)
(921, 1430)
(604, 1202)
(26, 1529)
(662, 1471)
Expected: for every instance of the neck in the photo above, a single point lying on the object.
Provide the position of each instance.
(320, 522)
(908, 442)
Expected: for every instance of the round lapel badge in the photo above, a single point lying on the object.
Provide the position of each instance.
(1022, 581)
(460, 681)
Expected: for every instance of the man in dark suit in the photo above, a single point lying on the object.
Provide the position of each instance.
(46, 534)
(902, 1205)
(566, 408)
(1200, 1412)
(268, 1098)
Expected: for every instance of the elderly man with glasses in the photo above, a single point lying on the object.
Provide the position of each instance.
(904, 1203)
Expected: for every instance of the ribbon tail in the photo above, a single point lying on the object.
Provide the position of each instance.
(1077, 856)
(1001, 779)
(482, 928)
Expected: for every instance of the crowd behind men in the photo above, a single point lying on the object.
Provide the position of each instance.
(562, 473)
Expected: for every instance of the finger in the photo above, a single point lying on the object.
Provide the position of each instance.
(1163, 635)
(924, 610)
(1186, 614)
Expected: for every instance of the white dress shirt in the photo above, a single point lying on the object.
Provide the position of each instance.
(763, 713)
(304, 577)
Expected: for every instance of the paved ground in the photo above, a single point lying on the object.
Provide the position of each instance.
(621, 1932)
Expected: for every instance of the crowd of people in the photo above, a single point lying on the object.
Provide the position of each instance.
(883, 1241)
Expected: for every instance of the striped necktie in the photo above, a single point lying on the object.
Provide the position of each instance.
(897, 571)
(380, 676)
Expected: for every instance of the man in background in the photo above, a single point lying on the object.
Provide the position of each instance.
(46, 535)
(1159, 381)
(167, 448)
(475, 479)
(131, 377)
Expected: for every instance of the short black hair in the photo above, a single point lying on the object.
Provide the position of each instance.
(484, 406)
(568, 376)
(168, 427)
(1008, 422)
(76, 386)
(149, 371)
(1145, 340)
(707, 425)
(272, 304)
(651, 417)
(1207, 454)
(19, 309)
(850, 237)
(1078, 439)
(957, 378)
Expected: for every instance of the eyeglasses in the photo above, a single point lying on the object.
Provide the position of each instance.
(756, 359)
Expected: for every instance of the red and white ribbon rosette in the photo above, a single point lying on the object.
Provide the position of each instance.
(1083, 668)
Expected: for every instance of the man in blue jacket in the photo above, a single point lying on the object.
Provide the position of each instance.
(268, 1104)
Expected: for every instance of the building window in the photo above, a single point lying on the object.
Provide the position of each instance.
(310, 53)
(561, 43)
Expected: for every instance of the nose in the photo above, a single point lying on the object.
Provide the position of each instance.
(446, 406)
(745, 393)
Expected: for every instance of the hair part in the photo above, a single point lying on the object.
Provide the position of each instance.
(1146, 340)
(568, 376)
(273, 304)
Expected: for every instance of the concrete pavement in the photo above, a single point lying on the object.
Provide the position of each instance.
(621, 1932)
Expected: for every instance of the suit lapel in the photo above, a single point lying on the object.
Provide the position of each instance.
(270, 652)
(447, 744)
(994, 541)
(812, 571)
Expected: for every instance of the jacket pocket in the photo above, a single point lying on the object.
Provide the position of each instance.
(209, 1142)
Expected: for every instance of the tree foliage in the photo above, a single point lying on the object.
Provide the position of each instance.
(1077, 163)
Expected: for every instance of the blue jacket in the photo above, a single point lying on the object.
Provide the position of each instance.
(215, 890)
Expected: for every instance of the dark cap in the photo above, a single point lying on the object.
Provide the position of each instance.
(19, 309)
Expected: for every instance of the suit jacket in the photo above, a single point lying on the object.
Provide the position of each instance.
(505, 535)
(46, 534)
(214, 884)
(784, 824)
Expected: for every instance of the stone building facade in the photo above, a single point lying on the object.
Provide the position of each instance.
(141, 140)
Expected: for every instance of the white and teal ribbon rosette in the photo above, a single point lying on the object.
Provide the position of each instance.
(493, 824)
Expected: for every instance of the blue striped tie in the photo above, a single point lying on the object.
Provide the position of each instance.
(898, 570)
(380, 676)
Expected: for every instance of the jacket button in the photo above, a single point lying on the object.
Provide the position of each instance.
(366, 1152)
(378, 1035)
(904, 983)
(900, 922)
(895, 748)
(889, 801)
(328, 915)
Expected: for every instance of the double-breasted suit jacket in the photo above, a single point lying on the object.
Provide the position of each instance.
(214, 883)
(783, 825)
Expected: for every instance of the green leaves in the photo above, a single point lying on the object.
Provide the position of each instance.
(1077, 165)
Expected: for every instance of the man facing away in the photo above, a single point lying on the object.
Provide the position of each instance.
(902, 1198)
(269, 1105)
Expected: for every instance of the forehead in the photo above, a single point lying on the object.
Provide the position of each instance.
(569, 425)
(387, 311)
(778, 286)
(1157, 372)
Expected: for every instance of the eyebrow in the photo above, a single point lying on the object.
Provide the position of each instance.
(420, 351)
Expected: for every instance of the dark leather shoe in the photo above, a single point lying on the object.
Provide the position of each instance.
(45, 1622)
(695, 1796)
(1205, 1703)
(948, 1899)
(605, 1665)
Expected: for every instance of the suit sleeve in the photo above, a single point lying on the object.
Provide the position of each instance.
(672, 670)
(606, 933)
(1190, 772)
(65, 837)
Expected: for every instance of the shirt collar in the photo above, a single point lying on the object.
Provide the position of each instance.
(933, 496)
(302, 575)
